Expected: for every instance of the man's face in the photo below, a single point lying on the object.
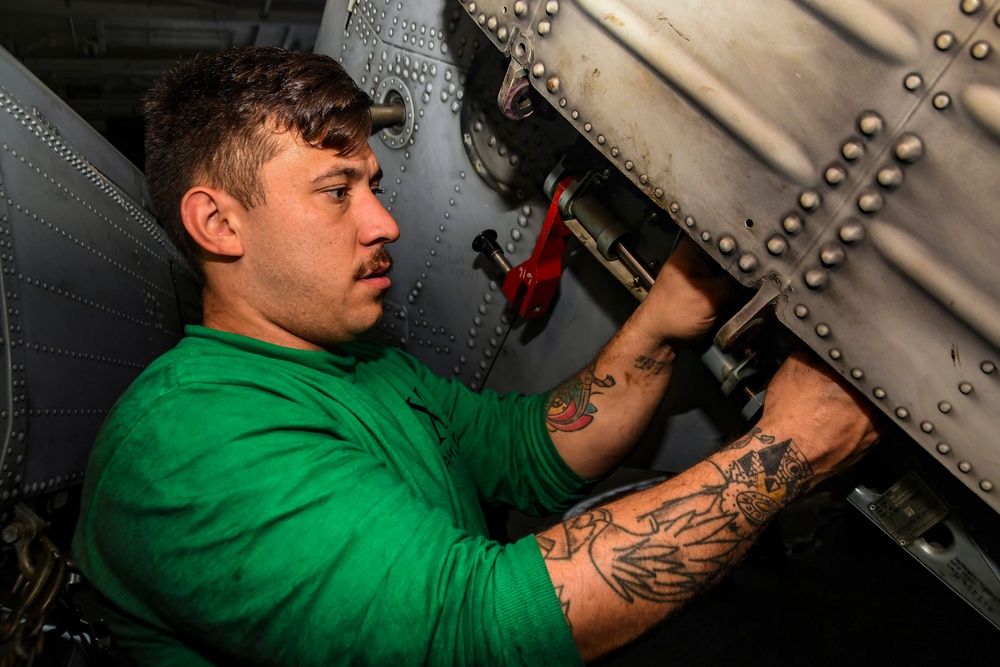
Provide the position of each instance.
(315, 262)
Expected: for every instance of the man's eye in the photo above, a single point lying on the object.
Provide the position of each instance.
(378, 191)
(338, 193)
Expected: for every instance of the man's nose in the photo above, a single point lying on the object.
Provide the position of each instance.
(379, 225)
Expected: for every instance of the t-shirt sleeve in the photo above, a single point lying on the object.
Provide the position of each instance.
(292, 546)
(504, 442)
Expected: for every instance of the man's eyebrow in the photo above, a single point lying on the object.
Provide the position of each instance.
(351, 173)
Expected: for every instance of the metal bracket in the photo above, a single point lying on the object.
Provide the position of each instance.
(751, 317)
(906, 512)
(514, 97)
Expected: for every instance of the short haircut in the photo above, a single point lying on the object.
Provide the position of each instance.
(212, 119)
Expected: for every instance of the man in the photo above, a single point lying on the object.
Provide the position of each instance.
(273, 491)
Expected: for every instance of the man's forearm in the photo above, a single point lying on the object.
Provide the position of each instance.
(621, 568)
(597, 416)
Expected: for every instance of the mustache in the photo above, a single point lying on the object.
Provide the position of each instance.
(378, 259)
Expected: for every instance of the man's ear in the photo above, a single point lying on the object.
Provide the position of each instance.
(213, 220)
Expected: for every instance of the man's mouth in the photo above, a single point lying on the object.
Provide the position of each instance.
(376, 267)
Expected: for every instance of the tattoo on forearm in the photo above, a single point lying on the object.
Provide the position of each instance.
(650, 364)
(688, 542)
(569, 407)
(765, 478)
(565, 604)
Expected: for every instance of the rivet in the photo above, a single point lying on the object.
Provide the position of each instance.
(831, 255)
(913, 81)
(944, 407)
(629, 165)
(943, 448)
(747, 263)
(481, 20)
(980, 50)
(941, 101)
(538, 70)
(857, 373)
(587, 127)
(822, 330)
(658, 193)
(971, 6)
(870, 202)
(986, 485)
(727, 244)
(552, 85)
(601, 139)
(965, 466)
(776, 245)
(870, 123)
(689, 221)
(835, 175)
(988, 367)
(902, 413)
(965, 388)
(926, 426)
(502, 34)
(706, 236)
(544, 27)
(792, 224)
(835, 354)
(520, 8)
(674, 207)
(552, 7)
(801, 311)
(615, 151)
(852, 232)
(491, 25)
(643, 178)
(879, 393)
(816, 278)
(944, 40)
(562, 102)
(890, 177)
(810, 200)
(851, 150)
(472, 10)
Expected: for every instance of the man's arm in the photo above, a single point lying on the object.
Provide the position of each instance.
(597, 416)
(621, 568)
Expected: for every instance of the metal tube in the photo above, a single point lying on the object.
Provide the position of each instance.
(387, 115)
(634, 265)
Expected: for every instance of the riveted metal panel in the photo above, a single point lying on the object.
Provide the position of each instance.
(848, 148)
(91, 287)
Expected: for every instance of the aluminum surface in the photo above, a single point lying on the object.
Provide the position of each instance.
(851, 149)
(90, 285)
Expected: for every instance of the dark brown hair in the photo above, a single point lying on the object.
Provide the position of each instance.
(213, 118)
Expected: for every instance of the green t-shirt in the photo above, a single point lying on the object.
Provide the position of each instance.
(252, 504)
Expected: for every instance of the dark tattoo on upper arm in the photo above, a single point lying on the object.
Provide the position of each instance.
(569, 407)
(686, 543)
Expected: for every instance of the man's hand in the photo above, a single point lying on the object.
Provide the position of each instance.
(813, 404)
(596, 417)
(683, 304)
(621, 568)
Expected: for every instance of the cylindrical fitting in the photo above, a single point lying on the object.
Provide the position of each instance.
(388, 114)
(486, 243)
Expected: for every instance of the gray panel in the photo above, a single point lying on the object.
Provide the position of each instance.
(91, 287)
(849, 148)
